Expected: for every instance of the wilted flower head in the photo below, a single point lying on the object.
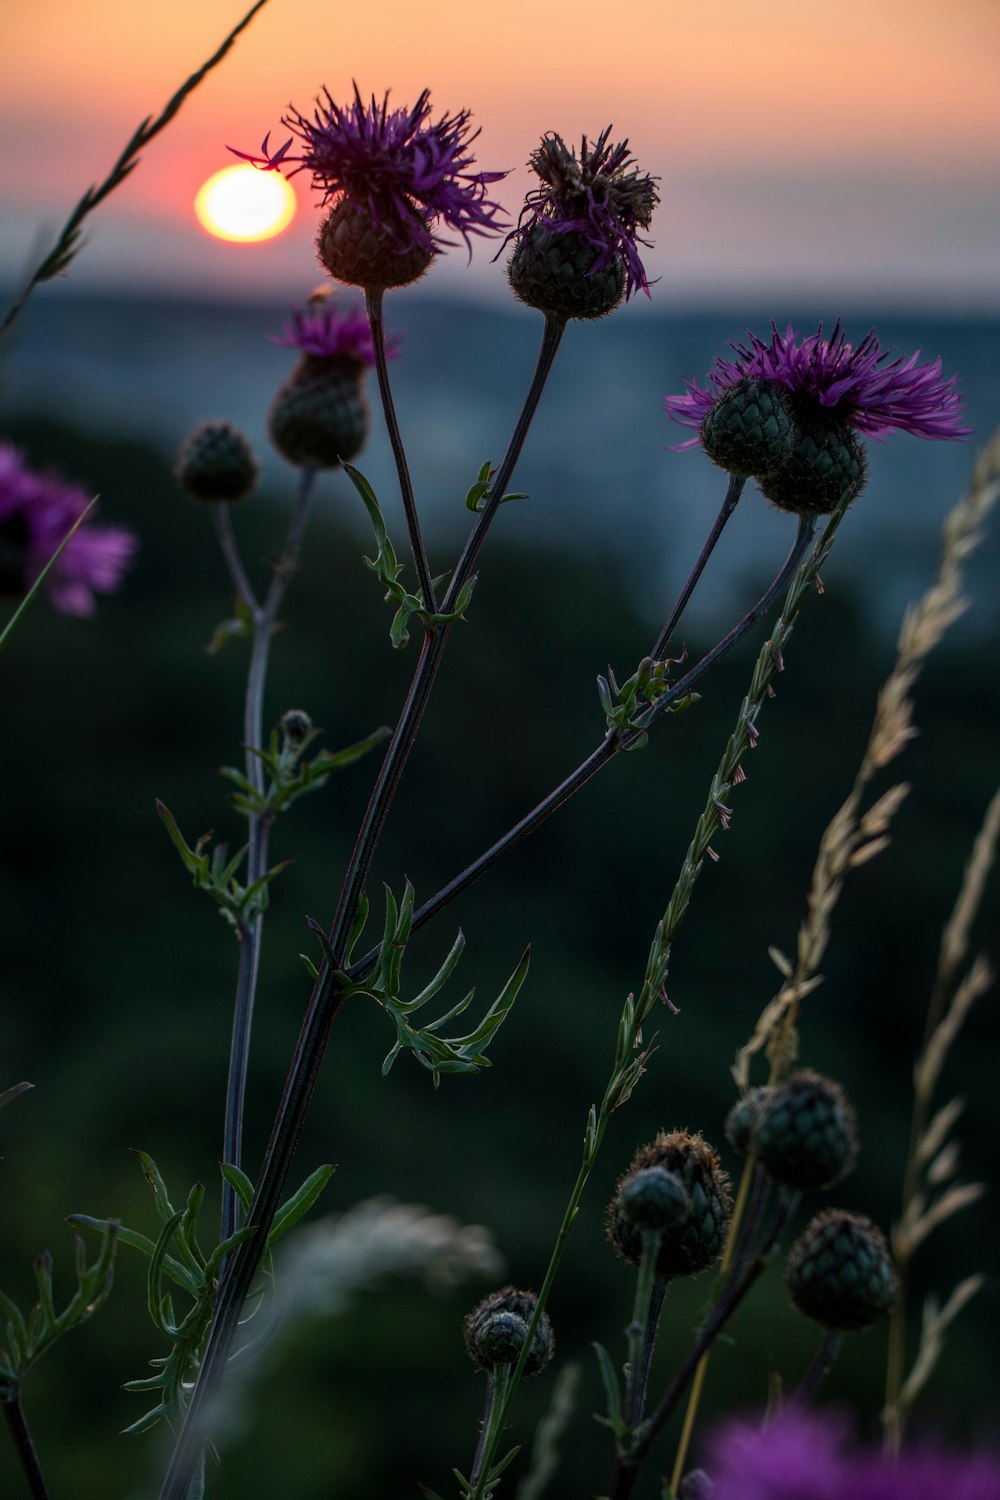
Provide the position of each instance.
(807, 1456)
(836, 380)
(36, 512)
(406, 172)
(600, 196)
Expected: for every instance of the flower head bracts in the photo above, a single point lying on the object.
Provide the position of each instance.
(36, 512)
(601, 195)
(832, 377)
(322, 330)
(394, 161)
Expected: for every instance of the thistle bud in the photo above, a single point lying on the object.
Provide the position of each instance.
(389, 248)
(653, 1199)
(695, 1239)
(559, 275)
(827, 462)
(840, 1273)
(217, 463)
(296, 725)
(749, 430)
(496, 1331)
(804, 1134)
(740, 1119)
(319, 416)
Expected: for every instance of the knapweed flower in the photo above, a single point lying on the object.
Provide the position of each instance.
(217, 463)
(829, 391)
(808, 1456)
(319, 416)
(576, 244)
(393, 176)
(36, 512)
(692, 1240)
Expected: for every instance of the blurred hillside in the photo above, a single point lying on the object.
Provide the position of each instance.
(117, 975)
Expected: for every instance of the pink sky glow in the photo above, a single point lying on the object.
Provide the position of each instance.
(849, 144)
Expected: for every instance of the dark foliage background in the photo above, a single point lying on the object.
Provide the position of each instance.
(117, 976)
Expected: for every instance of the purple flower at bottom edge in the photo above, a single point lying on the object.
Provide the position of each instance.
(36, 512)
(807, 1456)
(409, 171)
(856, 384)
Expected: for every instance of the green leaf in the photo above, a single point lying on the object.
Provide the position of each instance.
(239, 1182)
(300, 1203)
(612, 1389)
(155, 1299)
(161, 1197)
(335, 760)
(221, 1250)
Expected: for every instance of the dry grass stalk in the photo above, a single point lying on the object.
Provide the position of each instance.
(855, 835)
(936, 1322)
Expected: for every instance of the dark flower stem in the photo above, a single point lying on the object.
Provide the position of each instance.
(605, 752)
(733, 492)
(326, 996)
(373, 303)
(735, 1288)
(642, 1330)
(17, 1426)
(822, 1363)
(497, 1382)
(251, 932)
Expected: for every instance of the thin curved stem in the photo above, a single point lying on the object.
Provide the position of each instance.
(24, 1445)
(326, 996)
(821, 1365)
(230, 551)
(733, 493)
(373, 303)
(251, 932)
(605, 752)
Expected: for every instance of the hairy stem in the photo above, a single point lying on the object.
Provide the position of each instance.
(251, 932)
(20, 1432)
(373, 302)
(326, 996)
(819, 1368)
(645, 1319)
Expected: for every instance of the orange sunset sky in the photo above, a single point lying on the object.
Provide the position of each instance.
(845, 144)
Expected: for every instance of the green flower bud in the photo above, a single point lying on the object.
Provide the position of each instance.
(320, 416)
(554, 272)
(804, 1134)
(840, 1272)
(749, 430)
(740, 1119)
(296, 724)
(217, 463)
(695, 1240)
(653, 1199)
(496, 1330)
(359, 247)
(827, 462)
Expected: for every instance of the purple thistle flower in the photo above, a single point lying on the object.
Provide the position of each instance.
(599, 195)
(409, 171)
(36, 512)
(806, 1456)
(835, 379)
(325, 332)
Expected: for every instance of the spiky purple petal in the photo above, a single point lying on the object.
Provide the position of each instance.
(395, 161)
(323, 330)
(858, 384)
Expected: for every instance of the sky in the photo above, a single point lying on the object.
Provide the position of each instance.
(845, 145)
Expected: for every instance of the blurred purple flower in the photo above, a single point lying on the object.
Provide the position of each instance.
(806, 1456)
(322, 330)
(407, 169)
(36, 512)
(600, 194)
(847, 383)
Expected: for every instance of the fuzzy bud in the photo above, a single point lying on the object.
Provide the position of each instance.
(296, 725)
(653, 1199)
(840, 1273)
(695, 1240)
(217, 463)
(496, 1330)
(804, 1134)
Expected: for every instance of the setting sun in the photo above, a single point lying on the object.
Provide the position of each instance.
(242, 203)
